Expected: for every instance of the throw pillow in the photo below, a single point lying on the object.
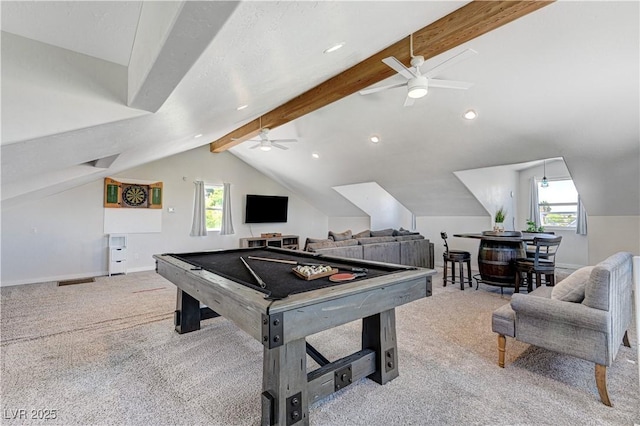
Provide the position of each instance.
(313, 241)
(363, 234)
(339, 236)
(571, 289)
(383, 233)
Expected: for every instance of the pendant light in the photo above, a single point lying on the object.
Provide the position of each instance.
(545, 181)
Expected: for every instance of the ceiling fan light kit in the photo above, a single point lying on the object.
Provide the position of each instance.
(418, 87)
(265, 146)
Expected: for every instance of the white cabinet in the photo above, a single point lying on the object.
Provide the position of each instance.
(117, 254)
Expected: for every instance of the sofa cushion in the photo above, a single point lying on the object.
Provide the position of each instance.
(340, 236)
(571, 289)
(364, 234)
(376, 240)
(383, 233)
(330, 244)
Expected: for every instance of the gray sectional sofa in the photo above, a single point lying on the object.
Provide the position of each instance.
(387, 245)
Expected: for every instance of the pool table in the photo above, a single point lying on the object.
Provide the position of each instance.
(289, 308)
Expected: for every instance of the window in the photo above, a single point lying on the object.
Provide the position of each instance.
(558, 204)
(213, 195)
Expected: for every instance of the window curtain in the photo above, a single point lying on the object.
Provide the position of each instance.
(227, 224)
(199, 224)
(581, 225)
(534, 209)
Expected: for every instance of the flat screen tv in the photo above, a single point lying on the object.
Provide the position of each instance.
(266, 209)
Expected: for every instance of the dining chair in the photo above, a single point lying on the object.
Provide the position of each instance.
(543, 263)
(531, 248)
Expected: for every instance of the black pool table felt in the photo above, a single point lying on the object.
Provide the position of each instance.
(279, 278)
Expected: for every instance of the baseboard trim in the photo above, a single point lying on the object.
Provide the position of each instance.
(57, 278)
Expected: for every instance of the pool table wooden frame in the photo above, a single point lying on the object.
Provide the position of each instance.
(282, 326)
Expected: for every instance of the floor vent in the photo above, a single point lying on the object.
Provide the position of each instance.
(78, 281)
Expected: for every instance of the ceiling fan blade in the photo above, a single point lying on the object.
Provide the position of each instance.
(449, 84)
(408, 101)
(399, 67)
(283, 140)
(379, 89)
(277, 145)
(255, 146)
(465, 54)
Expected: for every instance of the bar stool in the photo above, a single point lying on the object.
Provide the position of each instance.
(454, 257)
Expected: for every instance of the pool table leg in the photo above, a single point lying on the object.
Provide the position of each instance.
(379, 334)
(285, 399)
(187, 314)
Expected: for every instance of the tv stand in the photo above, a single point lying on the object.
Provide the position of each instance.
(282, 241)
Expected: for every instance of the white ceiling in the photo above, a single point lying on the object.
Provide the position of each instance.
(560, 82)
(101, 29)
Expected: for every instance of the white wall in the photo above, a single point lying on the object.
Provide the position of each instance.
(383, 209)
(62, 237)
(431, 226)
(355, 224)
(494, 187)
(610, 234)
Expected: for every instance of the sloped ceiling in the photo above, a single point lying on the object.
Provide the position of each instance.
(560, 82)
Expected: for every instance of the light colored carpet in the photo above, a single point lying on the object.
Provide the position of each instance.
(105, 353)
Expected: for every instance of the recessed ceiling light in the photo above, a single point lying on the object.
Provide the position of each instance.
(241, 107)
(315, 155)
(374, 139)
(334, 47)
(199, 135)
(470, 115)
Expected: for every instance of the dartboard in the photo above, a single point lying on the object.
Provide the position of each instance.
(135, 195)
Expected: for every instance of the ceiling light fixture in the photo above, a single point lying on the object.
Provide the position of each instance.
(265, 145)
(545, 181)
(470, 115)
(315, 155)
(199, 135)
(374, 139)
(418, 87)
(334, 47)
(241, 107)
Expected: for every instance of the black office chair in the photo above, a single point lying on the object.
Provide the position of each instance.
(543, 263)
(454, 257)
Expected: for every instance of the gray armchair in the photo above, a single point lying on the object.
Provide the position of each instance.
(586, 315)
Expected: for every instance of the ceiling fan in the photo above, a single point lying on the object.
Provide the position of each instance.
(417, 83)
(265, 144)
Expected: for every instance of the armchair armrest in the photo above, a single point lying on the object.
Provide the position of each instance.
(552, 310)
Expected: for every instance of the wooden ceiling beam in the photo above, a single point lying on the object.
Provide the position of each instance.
(464, 24)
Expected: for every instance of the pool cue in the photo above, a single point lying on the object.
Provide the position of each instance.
(266, 259)
(294, 262)
(262, 283)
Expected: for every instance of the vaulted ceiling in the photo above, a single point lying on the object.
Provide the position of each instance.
(90, 89)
